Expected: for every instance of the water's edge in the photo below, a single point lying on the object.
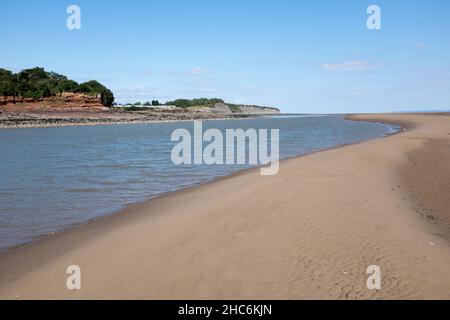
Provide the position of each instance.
(395, 128)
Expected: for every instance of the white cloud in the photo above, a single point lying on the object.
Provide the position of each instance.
(419, 45)
(354, 65)
(198, 71)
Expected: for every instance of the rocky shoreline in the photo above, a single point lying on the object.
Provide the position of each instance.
(80, 109)
(58, 119)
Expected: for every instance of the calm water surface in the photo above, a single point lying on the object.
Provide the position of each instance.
(54, 178)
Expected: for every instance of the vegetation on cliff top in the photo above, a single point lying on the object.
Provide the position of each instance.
(37, 83)
(193, 105)
(203, 102)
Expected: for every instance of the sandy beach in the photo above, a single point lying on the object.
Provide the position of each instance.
(309, 232)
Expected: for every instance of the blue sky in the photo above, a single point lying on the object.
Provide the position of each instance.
(300, 56)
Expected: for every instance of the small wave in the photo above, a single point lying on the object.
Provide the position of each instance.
(79, 190)
(108, 183)
(392, 128)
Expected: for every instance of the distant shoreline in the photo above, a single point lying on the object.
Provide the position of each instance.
(51, 120)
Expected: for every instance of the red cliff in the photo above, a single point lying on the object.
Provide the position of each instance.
(65, 102)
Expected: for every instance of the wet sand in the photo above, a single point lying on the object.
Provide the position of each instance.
(309, 232)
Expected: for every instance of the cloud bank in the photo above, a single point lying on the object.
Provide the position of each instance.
(354, 65)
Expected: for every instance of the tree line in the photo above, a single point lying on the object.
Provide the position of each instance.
(36, 83)
(180, 103)
(203, 102)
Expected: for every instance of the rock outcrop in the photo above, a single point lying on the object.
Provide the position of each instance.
(67, 101)
(243, 109)
(258, 110)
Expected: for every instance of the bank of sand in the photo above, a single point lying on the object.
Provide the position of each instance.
(309, 232)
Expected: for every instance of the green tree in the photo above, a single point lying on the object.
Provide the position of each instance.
(94, 88)
(107, 98)
(67, 86)
(8, 83)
